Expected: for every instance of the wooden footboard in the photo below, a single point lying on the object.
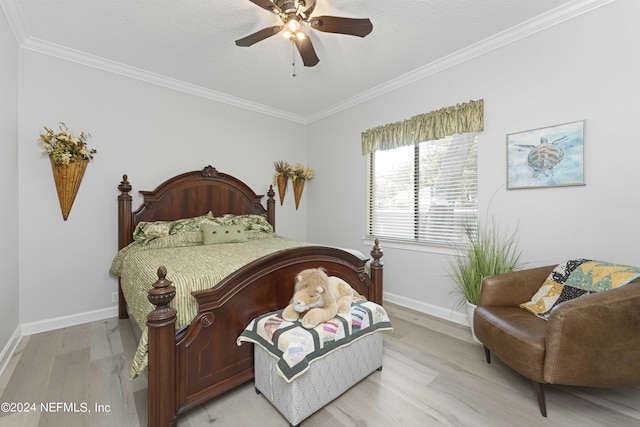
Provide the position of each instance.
(205, 361)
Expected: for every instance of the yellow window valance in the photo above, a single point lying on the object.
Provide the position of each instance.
(461, 118)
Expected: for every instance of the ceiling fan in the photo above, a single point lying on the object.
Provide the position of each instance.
(295, 14)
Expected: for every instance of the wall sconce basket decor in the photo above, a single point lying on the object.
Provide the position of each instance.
(298, 186)
(281, 178)
(68, 179)
(299, 175)
(69, 157)
(281, 183)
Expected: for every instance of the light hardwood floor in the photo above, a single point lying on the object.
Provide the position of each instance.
(433, 375)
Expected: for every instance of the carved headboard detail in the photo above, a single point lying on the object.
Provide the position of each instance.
(187, 195)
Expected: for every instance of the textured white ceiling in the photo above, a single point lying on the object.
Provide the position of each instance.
(192, 42)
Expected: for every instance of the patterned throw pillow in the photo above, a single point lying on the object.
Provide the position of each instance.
(553, 291)
(575, 278)
(255, 226)
(185, 238)
(251, 222)
(148, 231)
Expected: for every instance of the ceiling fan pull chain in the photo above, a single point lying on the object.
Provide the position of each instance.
(293, 57)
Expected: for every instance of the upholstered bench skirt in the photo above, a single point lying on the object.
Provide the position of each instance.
(326, 379)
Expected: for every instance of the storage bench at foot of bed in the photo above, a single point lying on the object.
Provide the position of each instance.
(326, 379)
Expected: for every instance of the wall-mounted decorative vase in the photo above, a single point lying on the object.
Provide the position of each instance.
(281, 181)
(298, 186)
(68, 179)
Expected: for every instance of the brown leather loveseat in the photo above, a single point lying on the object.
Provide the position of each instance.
(591, 341)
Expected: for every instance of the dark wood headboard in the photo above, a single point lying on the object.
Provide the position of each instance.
(187, 195)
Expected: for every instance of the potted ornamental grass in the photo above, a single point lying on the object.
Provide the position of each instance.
(489, 251)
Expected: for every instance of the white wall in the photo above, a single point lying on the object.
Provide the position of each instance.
(585, 68)
(8, 174)
(148, 132)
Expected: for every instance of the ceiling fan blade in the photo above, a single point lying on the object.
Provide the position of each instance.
(268, 5)
(307, 52)
(259, 35)
(335, 24)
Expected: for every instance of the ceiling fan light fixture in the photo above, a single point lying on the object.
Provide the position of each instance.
(300, 35)
(293, 24)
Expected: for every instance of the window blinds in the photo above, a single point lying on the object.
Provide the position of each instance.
(425, 192)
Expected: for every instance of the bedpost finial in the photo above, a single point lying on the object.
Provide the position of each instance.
(162, 272)
(162, 293)
(376, 253)
(271, 193)
(124, 186)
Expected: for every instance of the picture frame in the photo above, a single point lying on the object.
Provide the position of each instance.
(551, 156)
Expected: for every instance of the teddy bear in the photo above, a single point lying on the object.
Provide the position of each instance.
(318, 297)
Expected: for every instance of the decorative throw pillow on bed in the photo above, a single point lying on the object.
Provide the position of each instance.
(255, 226)
(213, 234)
(147, 231)
(185, 238)
(251, 222)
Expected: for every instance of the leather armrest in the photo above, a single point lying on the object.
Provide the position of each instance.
(512, 289)
(593, 340)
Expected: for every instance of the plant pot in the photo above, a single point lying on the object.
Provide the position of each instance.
(68, 179)
(471, 308)
(298, 186)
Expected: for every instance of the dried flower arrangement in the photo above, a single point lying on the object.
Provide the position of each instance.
(283, 169)
(299, 172)
(64, 147)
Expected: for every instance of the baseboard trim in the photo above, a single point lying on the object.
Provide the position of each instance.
(7, 351)
(66, 321)
(107, 313)
(433, 310)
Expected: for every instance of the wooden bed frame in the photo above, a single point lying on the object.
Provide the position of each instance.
(204, 361)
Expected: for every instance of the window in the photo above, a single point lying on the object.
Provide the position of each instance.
(425, 192)
(422, 176)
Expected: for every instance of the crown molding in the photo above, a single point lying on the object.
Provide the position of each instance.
(63, 52)
(12, 11)
(549, 19)
(511, 35)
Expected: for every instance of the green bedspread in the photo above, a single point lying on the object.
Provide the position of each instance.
(137, 266)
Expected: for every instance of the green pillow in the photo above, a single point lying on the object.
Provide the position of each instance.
(185, 238)
(147, 231)
(251, 222)
(212, 234)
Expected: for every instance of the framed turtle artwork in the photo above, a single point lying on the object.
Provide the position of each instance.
(552, 156)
